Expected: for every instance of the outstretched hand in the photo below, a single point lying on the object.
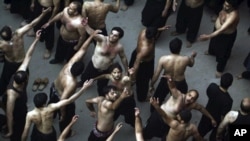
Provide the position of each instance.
(84, 21)
(87, 83)
(154, 101)
(38, 34)
(118, 126)
(47, 10)
(137, 111)
(74, 118)
(203, 37)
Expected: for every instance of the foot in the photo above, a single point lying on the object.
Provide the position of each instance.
(239, 76)
(47, 54)
(124, 7)
(44, 82)
(218, 74)
(36, 84)
(213, 18)
(7, 7)
(23, 23)
(175, 33)
(54, 61)
(31, 33)
(189, 44)
(206, 52)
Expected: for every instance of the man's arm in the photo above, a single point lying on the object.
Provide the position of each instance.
(56, 4)
(66, 130)
(57, 17)
(117, 128)
(124, 60)
(138, 126)
(28, 123)
(115, 8)
(191, 59)
(90, 104)
(156, 74)
(165, 10)
(29, 53)
(97, 37)
(172, 87)
(21, 31)
(115, 105)
(196, 134)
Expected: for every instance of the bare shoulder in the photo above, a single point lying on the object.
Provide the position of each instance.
(231, 116)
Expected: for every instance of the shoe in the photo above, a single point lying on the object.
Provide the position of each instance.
(189, 44)
(44, 82)
(54, 61)
(36, 84)
(47, 54)
(124, 8)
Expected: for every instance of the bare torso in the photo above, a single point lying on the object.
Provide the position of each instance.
(105, 53)
(46, 3)
(194, 3)
(181, 133)
(71, 28)
(224, 17)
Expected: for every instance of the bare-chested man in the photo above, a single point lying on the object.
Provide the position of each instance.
(224, 35)
(72, 33)
(106, 109)
(121, 81)
(48, 37)
(66, 83)
(173, 65)
(142, 60)
(42, 115)
(12, 46)
(97, 11)
(106, 50)
(180, 127)
(177, 101)
(15, 98)
(188, 19)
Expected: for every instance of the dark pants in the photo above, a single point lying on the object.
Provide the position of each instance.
(21, 7)
(206, 126)
(92, 72)
(64, 50)
(18, 127)
(128, 2)
(38, 136)
(49, 32)
(162, 90)
(143, 76)
(69, 113)
(189, 19)
(221, 47)
(126, 109)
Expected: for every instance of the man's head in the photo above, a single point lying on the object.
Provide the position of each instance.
(6, 33)
(191, 96)
(116, 34)
(111, 93)
(185, 116)
(230, 5)
(75, 8)
(175, 46)
(226, 80)
(77, 68)
(40, 100)
(151, 32)
(116, 71)
(20, 77)
(245, 105)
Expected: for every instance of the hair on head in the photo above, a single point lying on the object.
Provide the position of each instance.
(115, 65)
(175, 45)
(185, 115)
(77, 68)
(226, 80)
(20, 77)
(6, 33)
(120, 30)
(40, 100)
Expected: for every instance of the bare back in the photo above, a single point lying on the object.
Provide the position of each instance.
(175, 66)
(194, 3)
(46, 3)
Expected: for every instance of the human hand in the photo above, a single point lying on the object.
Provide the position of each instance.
(38, 34)
(7, 135)
(93, 114)
(137, 111)
(154, 101)
(203, 37)
(87, 83)
(47, 10)
(118, 126)
(125, 93)
(174, 5)
(214, 123)
(84, 21)
(74, 118)
(194, 53)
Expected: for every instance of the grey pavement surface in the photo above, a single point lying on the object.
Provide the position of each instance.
(198, 77)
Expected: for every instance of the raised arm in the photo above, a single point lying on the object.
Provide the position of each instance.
(27, 126)
(138, 126)
(156, 74)
(115, 8)
(66, 130)
(125, 94)
(124, 60)
(191, 59)
(172, 87)
(56, 4)
(29, 53)
(57, 17)
(90, 104)
(117, 128)
(97, 37)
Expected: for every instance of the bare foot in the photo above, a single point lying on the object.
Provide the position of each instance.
(189, 44)
(124, 7)
(218, 74)
(72, 133)
(206, 52)
(31, 33)
(7, 7)
(175, 33)
(239, 76)
(47, 54)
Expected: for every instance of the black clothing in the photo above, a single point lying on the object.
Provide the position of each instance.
(128, 2)
(38, 136)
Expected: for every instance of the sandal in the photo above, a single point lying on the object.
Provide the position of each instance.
(43, 84)
(36, 84)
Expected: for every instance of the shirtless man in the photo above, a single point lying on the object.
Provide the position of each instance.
(172, 107)
(12, 46)
(121, 81)
(42, 115)
(106, 109)
(234, 118)
(173, 65)
(180, 127)
(142, 60)
(224, 35)
(138, 126)
(37, 6)
(72, 33)
(106, 50)
(66, 83)
(188, 19)
(15, 98)
(97, 11)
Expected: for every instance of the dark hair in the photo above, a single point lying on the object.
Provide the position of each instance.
(120, 30)
(185, 115)
(197, 93)
(245, 108)
(6, 33)
(107, 89)
(78, 6)
(234, 3)
(175, 45)
(77, 68)
(40, 99)
(20, 77)
(115, 65)
(151, 32)
(226, 80)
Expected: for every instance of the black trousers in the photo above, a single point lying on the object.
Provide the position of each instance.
(38, 136)
(69, 113)
(128, 2)
(206, 126)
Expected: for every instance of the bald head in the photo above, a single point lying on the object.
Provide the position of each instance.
(245, 105)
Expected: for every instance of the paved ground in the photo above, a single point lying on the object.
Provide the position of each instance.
(198, 77)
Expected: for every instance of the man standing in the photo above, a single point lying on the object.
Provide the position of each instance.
(72, 33)
(97, 11)
(219, 103)
(106, 109)
(12, 46)
(106, 50)
(224, 35)
(42, 115)
(175, 66)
